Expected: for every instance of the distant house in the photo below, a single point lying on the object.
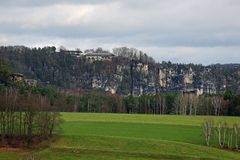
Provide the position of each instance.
(30, 82)
(76, 53)
(192, 91)
(17, 77)
(91, 57)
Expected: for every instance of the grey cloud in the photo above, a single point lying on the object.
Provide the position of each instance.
(37, 3)
(137, 37)
(136, 23)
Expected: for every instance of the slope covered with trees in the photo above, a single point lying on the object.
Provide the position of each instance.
(133, 81)
(129, 72)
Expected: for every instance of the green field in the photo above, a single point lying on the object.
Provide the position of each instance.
(128, 137)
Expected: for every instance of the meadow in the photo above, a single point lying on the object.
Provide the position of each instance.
(98, 136)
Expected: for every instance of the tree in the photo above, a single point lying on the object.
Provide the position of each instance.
(25, 116)
(221, 133)
(207, 131)
(5, 72)
(62, 49)
(193, 104)
(217, 102)
(181, 103)
(236, 135)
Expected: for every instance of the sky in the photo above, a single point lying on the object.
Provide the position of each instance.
(181, 31)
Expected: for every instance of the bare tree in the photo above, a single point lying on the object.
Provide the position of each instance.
(160, 103)
(195, 104)
(181, 103)
(26, 116)
(221, 133)
(207, 131)
(236, 135)
(193, 101)
(217, 102)
(230, 137)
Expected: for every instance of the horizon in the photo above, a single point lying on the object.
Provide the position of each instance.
(203, 32)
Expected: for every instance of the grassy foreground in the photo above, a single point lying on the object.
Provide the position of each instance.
(128, 137)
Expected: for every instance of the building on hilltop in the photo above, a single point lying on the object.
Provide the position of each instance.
(91, 57)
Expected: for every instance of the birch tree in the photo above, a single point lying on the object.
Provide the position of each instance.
(217, 102)
(207, 131)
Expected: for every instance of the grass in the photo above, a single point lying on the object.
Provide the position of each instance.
(179, 133)
(95, 136)
(145, 119)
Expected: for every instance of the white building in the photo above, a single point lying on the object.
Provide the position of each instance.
(91, 57)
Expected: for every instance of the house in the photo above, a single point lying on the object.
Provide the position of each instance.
(17, 77)
(193, 91)
(91, 57)
(77, 53)
(190, 92)
(30, 82)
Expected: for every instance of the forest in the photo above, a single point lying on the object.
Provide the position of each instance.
(167, 103)
(97, 100)
(129, 72)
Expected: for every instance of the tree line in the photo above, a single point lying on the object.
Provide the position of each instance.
(183, 104)
(161, 103)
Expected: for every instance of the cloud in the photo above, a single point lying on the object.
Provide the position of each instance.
(48, 16)
(37, 3)
(186, 26)
(3, 39)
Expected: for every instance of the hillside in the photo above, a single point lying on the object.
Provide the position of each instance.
(126, 71)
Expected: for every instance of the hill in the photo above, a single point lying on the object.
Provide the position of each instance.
(125, 71)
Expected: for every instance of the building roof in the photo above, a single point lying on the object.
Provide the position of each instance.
(99, 54)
